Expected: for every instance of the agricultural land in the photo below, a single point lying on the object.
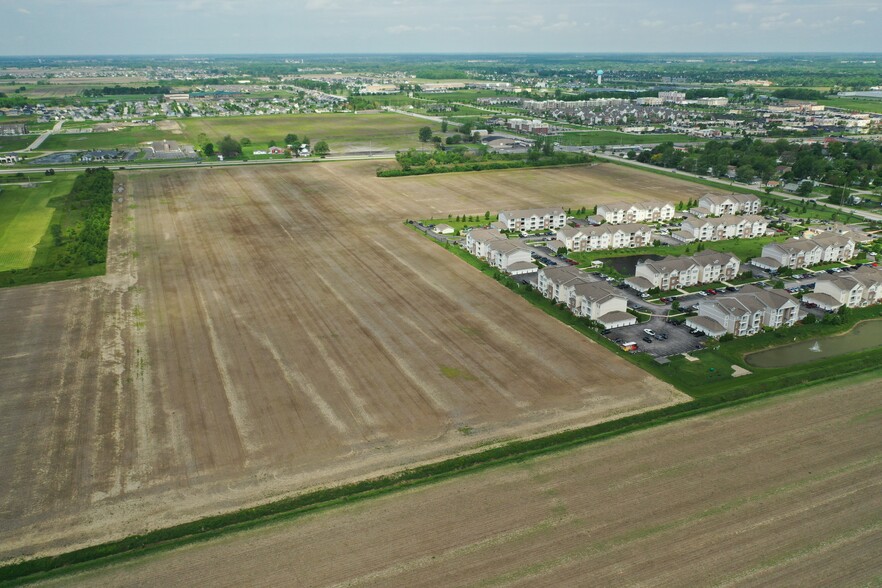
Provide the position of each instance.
(782, 491)
(263, 331)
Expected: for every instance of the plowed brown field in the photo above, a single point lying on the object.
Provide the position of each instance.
(783, 492)
(265, 330)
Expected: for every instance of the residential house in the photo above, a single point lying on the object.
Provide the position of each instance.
(585, 295)
(746, 312)
(728, 226)
(510, 256)
(861, 287)
(594, 238)
(720, 204)
(600, 302)
(797, 253)
(478, 240)
(534, 219)
(674, 272)
(443, 229)
(620, 212)
(556, 282)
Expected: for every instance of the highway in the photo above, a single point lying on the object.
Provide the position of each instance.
(379, 156)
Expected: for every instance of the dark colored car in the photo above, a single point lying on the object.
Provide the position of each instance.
(648, 339)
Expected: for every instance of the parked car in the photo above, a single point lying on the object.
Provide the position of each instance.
(606, 331)
(647, 339)
(649, 332)
(702, 293)
(731, 288)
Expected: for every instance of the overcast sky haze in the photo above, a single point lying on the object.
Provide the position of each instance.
(91, 27)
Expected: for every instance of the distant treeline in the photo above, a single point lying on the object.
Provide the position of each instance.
(798, 94)
(125, 90)
(418, 163)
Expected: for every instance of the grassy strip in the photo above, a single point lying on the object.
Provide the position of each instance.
(516, 451)
(475, 166)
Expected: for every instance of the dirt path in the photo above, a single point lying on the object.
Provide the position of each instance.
(784, 492)
(263, 331)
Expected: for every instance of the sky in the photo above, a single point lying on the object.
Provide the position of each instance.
(119, 27)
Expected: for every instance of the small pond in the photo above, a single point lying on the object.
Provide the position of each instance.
(627, 264)
(864, 336)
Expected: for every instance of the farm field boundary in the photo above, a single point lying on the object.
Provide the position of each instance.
(212, 527)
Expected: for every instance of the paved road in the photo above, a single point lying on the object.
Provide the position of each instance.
(181, 165)
(726, 183)
(39, 140)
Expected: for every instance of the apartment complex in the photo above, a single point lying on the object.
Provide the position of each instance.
(533, 219)
(595, 238)
(674, 272)
(617, 213)
(746, 312)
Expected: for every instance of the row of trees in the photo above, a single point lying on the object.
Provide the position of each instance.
(90, 198)
(839, 164)
(230, 148)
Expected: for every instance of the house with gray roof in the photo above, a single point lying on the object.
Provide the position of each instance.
(746, 312)
(595, 238)
(622, 212)
(674, 272)
(861, 287)
(533, 219)
(720, 204)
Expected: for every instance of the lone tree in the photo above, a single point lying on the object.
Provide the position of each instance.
(321, 149)
(290, 139)
(443, 126)
(426, 134)
(208, 149)
(230, 147)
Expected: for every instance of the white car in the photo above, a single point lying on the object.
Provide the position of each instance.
(702, 293)
(649, 332)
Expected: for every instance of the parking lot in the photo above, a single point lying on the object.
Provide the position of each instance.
(679, 338)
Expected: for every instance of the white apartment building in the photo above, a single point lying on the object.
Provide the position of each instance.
(595, 238)
(533, 219)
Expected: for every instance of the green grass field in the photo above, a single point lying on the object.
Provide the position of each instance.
(741, 248)
(24, 219)
(858, 104)
(343, 132)
(16, 142)
(617, 138)
(129, 137)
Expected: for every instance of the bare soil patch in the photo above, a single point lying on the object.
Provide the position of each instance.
(779, 492)
(266, 330)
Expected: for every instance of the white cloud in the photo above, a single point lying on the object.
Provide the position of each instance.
(24, 11)
(652, 24)
(858, 22)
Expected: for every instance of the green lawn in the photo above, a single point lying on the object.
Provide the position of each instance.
(15, 142)
(128, 137)
(741, 248)
(859, 104)
(617, 138)
(343, 132)
(24, 219)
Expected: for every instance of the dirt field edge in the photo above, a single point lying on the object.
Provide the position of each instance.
(214, 526)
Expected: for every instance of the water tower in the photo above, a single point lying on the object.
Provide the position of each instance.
(599, 77)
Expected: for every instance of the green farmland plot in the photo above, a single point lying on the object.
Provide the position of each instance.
(128, 137)
(15, 142)
(615, 138)
(343, 132)
(24, 219)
